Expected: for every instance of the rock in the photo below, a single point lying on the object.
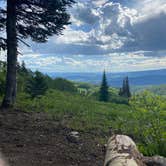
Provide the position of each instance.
(74, 134)
(73, 137)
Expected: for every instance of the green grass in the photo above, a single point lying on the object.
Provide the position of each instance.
(144, 119)
(75, 111)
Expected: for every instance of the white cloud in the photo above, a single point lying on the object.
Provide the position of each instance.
(99, 2)
(106, 35)
(70, 36)
(150, 8)
(85, 13)
(113, 62)
(35, 61)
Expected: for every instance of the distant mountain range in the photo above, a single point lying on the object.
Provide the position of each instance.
(139, 78)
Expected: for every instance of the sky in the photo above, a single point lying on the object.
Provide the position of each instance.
(115, 35)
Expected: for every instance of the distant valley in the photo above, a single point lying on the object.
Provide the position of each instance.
(139, 78)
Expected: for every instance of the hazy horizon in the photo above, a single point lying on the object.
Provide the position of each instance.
(139, 78)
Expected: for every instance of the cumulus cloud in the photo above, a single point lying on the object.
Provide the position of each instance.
(121, 28)
(102, 26)
(85, 13)
(114, 34)
(95, 30)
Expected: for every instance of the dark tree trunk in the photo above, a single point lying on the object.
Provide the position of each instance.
(10, 91)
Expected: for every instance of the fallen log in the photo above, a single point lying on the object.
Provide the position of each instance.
(122, 151)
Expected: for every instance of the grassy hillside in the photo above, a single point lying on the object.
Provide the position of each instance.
(75, 106)
(143, 120)
(75, 111)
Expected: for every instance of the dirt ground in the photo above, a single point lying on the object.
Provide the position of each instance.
(32, 139)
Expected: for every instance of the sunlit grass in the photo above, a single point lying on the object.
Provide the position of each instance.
(144, 119)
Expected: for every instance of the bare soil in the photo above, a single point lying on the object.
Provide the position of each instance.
(32, 139)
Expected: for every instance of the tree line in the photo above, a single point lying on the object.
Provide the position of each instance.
(34, 83)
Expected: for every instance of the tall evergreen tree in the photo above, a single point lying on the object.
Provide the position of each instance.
(128, 88)
(125, 90)
(104, 94)
(22, 19)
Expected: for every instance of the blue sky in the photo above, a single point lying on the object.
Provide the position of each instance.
(116, 35)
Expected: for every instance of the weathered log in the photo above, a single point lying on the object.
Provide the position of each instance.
(122, 151)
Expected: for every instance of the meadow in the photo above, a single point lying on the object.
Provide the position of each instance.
(144, 118)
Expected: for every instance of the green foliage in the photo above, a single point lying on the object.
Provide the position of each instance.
(104, 94)
(150, 112)
(75, 111)
(83, 85)
(113, 96)
(146, 123)
(144, 119)
(36, 85)
(23, 75)
(63, 85)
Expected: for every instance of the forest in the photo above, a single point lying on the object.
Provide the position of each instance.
(61, 121)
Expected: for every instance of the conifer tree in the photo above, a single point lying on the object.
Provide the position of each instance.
(125, 90)
(37, 85)
(104, 94)
(128, 93)
(22, 19)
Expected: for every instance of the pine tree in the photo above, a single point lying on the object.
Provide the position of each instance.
(104, 94)
(37, 85)
(128, 93)
(22, 19)
(125, 90)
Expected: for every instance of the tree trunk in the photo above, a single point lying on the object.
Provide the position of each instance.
(10, 91)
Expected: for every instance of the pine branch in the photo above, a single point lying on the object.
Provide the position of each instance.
(23, 42)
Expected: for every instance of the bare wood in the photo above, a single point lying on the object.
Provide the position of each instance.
(122, 151)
